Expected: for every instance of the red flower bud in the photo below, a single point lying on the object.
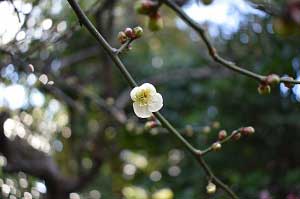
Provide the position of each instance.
(237, 136)
(247, 130)
(129, 33)
(222, 135)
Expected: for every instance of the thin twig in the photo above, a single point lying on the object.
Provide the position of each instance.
(124, 46)
(212, 50)
(115, 58)
(209, 149)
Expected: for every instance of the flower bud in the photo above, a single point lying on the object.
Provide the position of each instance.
(288, 84)
(237, 136)
(248, 130)
(264, 89)
(138, 31)
(129, 33)
(272, 79)
(216, 146)
(155, 22)
(222, 135)
(122, 37)
(144, 7)
(211, 188)
(151, 125)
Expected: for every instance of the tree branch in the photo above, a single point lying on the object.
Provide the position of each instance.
(111, 52)
(212, 50)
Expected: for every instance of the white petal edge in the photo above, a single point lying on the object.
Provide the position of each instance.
(149, 86)
(156, 103)
(133, 93)
(141, 111)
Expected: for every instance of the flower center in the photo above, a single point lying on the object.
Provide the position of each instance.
(143, 97)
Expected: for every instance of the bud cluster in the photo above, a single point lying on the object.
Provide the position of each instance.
(246, 131)
(264, 87)
(130, 34)
(150, 8)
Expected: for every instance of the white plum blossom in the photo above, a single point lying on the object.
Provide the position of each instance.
(146, 100)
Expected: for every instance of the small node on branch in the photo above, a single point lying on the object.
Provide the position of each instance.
(272, 80)
(236, 136)
(264, 89)
(222, 135)
(247, 130)
(216, 146)
(211, 188)
(288, 84)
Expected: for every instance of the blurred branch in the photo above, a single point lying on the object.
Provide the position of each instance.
(266, 7)
(212, 50)
(114, 56)
(22, 157)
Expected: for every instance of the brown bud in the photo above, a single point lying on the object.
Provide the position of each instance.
(264, 89)
(122, 37)
(248, 130)
(237, 136)
(288, 84)
(216, 146)
(222, 135)
(272, 79)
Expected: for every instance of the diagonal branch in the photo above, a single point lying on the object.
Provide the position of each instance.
(115, 58)
(212, 50)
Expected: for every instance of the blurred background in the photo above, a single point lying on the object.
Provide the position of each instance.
(69, 130)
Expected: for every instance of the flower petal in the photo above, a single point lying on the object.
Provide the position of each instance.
(148, 86)
(133, 93)
(156, 103)
(141, 111)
